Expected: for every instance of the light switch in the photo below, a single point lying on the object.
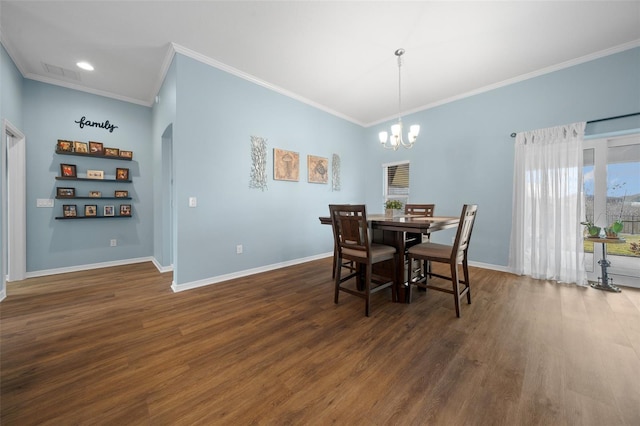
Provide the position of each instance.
(44, 202)
(193, 201)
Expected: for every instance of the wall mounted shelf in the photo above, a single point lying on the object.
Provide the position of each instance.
(93, 180)
(82, 154)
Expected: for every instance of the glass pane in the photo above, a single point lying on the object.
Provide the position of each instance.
(589, 189)
(623, 197)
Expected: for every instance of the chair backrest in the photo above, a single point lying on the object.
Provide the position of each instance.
(425, 210)
(350, 229)
(463, 236)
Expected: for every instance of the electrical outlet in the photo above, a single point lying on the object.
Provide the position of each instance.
(239, 249)
(114, 243)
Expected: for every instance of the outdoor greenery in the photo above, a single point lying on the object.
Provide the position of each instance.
(618, 249)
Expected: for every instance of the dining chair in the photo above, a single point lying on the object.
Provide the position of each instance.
(453, 255)
(411, 238)
(353, 243)
(424, 210)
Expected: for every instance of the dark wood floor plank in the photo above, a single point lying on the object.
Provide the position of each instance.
(117, 346)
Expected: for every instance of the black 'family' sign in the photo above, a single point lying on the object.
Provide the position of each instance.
(105, 125)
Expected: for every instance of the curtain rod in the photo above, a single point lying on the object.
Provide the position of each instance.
(513, 135)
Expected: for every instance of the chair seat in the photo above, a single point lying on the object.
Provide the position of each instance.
(432, 250)
(379, 252)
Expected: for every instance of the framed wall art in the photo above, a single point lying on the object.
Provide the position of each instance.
(80, 147)
(64, 146)
(122, 174)
(68, 170)
(95, 194)
(125, 209)
(286, 165)
(317, 169)
(126, 154)
(65, 192)
(96, 148)
(69, 210)
(121, 194)
(109, 211)
(112, 152)
(95, 174)
(90, 210)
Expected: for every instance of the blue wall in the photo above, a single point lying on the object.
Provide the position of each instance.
(217, 113)
(465, 152)
(50, 114)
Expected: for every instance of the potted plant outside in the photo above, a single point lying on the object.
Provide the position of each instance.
(392, 208)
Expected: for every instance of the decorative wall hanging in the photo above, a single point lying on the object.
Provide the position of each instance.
(335, 172)
(258, 178)
(104, 125)
(317, 169)
(286, 165)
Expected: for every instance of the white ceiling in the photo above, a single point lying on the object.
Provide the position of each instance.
(338, 56)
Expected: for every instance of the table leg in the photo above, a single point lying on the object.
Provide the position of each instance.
(604, 264)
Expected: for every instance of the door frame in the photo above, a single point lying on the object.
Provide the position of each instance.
(623, 270)
(14, 223)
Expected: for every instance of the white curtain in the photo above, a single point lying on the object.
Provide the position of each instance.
(548, 205)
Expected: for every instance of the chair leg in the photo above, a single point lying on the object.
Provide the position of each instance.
(367, 288)
(456, 287)
(465, 268)
(409, 279)
(337, 274)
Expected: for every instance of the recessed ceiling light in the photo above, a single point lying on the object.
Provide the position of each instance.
(85, 66)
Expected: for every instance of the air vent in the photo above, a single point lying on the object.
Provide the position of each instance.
(61, 72)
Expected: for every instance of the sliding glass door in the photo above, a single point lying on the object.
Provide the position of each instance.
(612, 192)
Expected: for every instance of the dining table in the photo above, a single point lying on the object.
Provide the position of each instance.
(393, 231)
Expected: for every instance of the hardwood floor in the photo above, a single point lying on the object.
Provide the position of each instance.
(117, 346)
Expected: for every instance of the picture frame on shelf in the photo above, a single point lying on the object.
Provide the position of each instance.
(65, 192)
(109, 211)
(95, 194)
(69, 210)
(81, 147)
(96, 148)
(122, 174)
(126, 154)
(95, 174)
(68, 170)
(90, 210)
(121, 194)
(125, 209)
(64, 145)
(111, 152)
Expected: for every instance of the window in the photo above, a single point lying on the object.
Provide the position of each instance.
(612, 192)
(396, 181)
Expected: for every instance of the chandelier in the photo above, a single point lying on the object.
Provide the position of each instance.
(396, 140)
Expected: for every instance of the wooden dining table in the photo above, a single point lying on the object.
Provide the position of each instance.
(392, 231)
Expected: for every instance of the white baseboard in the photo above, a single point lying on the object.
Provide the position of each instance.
(87, 267)
(160, 268)
(490, 266)
(220, 278)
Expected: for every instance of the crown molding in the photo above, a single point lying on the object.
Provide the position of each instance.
(557, 67)
(230, 70)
